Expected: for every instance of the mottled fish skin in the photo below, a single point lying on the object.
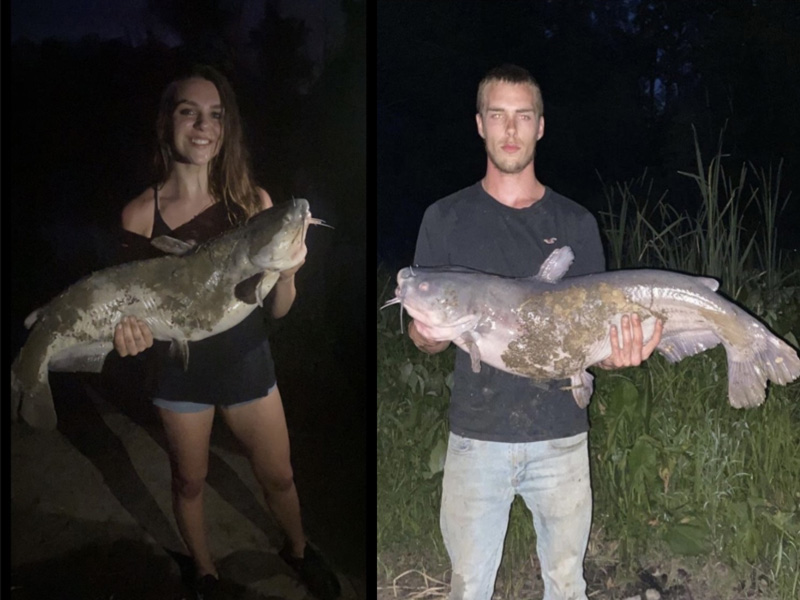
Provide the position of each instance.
(181, 298)
(546, 327)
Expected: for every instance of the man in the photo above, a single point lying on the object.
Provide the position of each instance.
(508, 436)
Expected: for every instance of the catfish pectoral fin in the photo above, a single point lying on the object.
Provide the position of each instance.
(582, 387)
(37, 409)
(255, 289)
(180, 349)
(246, 289)
(471, 342)
(265, 285)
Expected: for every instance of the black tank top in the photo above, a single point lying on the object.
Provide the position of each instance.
(230, 367)
(159, 226)
(205, 225)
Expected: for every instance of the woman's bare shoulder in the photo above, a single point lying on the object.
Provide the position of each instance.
(264, 198)
(137, 215)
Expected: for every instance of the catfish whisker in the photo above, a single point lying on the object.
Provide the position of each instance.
(314, 221)
(396, 301)
(392, 301)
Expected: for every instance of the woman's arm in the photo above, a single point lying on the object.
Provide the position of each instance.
(284, 292)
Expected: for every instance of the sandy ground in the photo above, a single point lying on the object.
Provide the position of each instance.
(91, 513)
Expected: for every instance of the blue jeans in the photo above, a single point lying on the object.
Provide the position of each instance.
(480, 482)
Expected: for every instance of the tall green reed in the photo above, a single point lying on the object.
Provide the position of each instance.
(692, 474)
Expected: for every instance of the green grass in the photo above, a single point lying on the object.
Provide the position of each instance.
(676, 471)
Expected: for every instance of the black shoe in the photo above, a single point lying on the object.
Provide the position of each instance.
(206, 588)
(313, 571)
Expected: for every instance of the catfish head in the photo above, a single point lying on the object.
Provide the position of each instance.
(274, 242)
(276, 236)
(439, 300)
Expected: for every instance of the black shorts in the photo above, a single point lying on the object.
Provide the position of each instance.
(229, 368)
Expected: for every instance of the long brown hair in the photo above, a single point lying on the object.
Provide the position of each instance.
(229, 178)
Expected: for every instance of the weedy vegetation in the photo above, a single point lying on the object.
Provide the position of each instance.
(679, 477)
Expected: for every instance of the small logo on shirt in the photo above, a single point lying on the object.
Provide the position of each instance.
(550, 240)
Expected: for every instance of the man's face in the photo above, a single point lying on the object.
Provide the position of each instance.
(509, 125)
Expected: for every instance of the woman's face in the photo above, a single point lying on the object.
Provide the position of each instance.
(197, 121)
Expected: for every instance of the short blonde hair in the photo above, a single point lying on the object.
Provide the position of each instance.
(511, 74)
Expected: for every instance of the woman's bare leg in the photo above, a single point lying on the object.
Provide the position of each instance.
(261, 427)
(188, 435)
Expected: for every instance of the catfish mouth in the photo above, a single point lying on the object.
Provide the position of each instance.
(419, 314)
(282, 253)
(288, 248)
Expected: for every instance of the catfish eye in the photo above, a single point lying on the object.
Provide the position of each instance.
(423, 287)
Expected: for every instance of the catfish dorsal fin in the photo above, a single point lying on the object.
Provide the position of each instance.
(711, 284)
(32, 318)
(556, 265)
(172, 245)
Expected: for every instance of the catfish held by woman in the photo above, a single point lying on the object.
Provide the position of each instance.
(184, 298)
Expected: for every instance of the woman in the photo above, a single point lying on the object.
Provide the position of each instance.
(204, 187)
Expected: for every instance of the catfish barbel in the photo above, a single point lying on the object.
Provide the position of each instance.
(545, 327)
(204, 291)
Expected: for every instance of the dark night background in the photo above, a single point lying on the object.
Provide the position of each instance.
(81, 89)
(622, 81)
(81, 118)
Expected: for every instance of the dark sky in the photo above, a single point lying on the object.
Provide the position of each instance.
(131, 20)
(73, 19)
(595, 65)
(84, 107)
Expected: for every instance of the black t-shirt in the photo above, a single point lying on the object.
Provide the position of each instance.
(472, 229)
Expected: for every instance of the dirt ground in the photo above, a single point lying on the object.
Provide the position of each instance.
(91, 513)
(670, 579)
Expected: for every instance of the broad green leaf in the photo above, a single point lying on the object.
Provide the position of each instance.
(405, 371)
(688, 539)
(642, 458)
(436, 459)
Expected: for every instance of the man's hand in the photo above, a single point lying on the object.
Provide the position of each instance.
(633, 350)
(132, 336)
(424, 344)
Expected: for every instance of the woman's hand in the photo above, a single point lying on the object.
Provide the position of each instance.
(290, 272)
(132, 336)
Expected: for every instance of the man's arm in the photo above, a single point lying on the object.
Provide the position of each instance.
(430, 251)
